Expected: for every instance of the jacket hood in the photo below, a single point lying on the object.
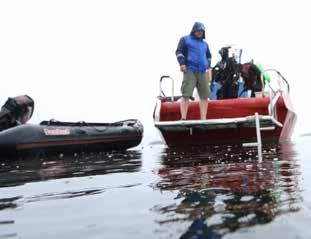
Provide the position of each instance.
(198, 26)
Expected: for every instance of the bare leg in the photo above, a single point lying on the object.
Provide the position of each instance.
(184, 107)
(203, 108)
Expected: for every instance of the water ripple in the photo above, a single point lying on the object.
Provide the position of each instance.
(225, 188)
(33, 168)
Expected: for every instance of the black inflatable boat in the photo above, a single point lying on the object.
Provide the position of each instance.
(59, 137)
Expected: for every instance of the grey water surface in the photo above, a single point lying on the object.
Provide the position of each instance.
(156, 192)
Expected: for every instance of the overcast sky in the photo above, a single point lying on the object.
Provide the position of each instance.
(102, 60)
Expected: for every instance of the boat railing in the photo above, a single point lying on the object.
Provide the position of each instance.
(281, 82)
(161, 93)
(274, 93)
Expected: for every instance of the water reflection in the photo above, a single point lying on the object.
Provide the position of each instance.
(8, 203)
(15, 172)
(224, 188)
(37, 168)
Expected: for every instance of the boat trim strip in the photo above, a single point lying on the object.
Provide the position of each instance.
(224, 121)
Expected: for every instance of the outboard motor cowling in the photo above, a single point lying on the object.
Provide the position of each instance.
(16, 111)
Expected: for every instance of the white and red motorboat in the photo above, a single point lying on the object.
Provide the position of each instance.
(228, 120)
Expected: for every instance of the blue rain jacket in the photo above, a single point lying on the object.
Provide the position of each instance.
(194, 52)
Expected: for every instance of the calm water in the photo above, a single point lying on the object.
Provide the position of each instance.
(154, 192)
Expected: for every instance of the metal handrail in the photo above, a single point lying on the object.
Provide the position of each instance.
(280, 76)
(272, 107)
(160, 86)
(276, 94)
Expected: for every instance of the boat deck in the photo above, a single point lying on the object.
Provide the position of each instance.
(266, 121)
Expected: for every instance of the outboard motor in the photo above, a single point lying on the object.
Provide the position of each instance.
(16, 111)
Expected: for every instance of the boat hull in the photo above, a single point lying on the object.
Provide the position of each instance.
(61, 137)
(200, 134)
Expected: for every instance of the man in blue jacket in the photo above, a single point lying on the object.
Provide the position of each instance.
(194, 58)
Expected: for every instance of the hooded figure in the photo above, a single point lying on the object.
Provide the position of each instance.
(193, 51)
(198, 26)
(194, 58)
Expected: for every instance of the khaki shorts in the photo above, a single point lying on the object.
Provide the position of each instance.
(198, 80)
